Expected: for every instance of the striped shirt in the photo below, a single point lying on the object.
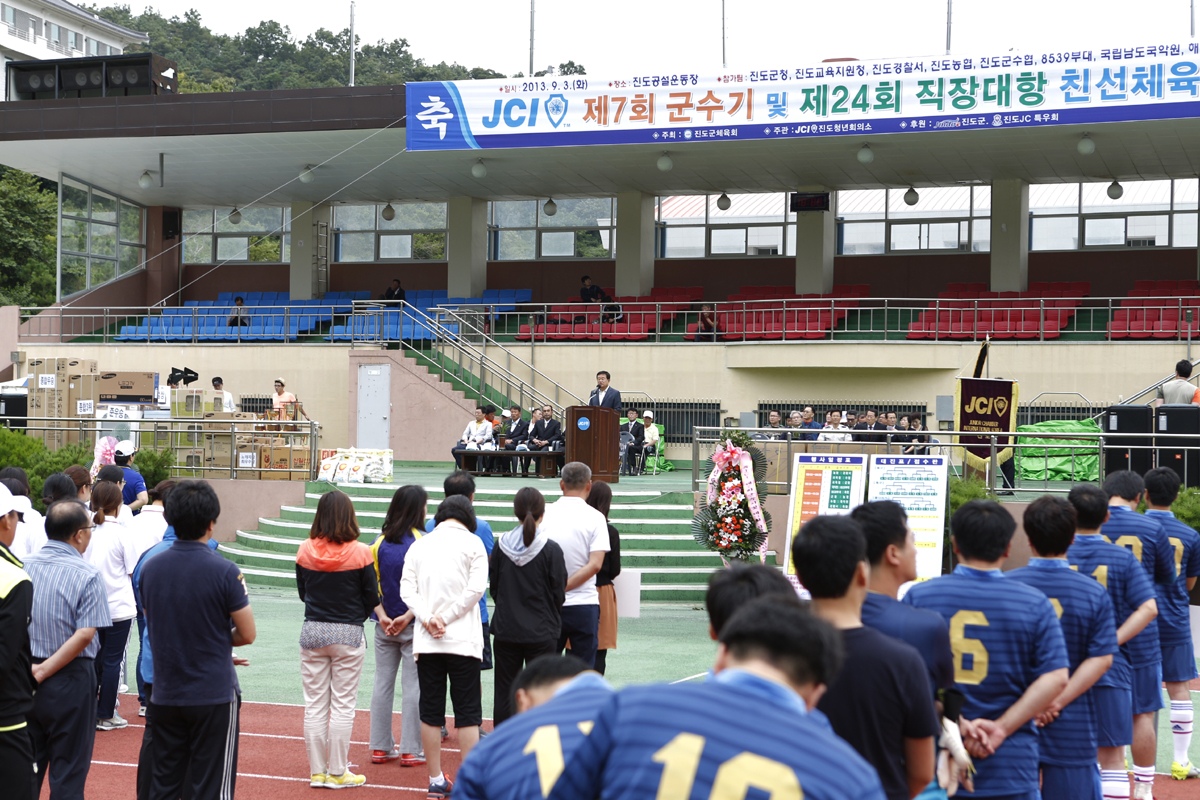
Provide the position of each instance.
(1086, 616)
(1145, 538)
(1174, 617)
(1004, 636)
(68, 594)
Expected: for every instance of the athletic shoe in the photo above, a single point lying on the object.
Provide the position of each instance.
(1181, 772)
(412, 759)
(141, 711)
(346, 780)
(317, 781)
(445, 733)
(383, 756)
(116, 723)
(122, 689)
(1142, 791)
(440, 791)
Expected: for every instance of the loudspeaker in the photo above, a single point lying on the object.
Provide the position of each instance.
(1179, 454)
(172, 224)
(1132, 453)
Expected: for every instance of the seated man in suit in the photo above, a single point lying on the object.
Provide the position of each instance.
(605, 395)
(870, 422)
(517, 437)
(650, 448)
(634, 428)
(547, 432)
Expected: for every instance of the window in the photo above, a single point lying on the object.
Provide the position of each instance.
(101, 236)
(1147, 214)
(877, 221)
(10, 16)
(54, 33)
(73, 40)
(693, 226)
(93, 47)
(262, 236)
(520, 230)
(416, 232)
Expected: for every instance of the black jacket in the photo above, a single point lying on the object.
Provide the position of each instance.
(549, 430)
(336, 582)
(518, 434)
(394, 294)
(528, 598)
(869, 437)
(16, 675)
(637, 430)
(611, 567)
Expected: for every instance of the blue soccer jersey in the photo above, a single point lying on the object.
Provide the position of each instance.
(1115, 569)
(1144, 537)
(1086, 616)
(1174, 622)
(924, 630)
(723, 738)
(1004, 636)
(525, 755)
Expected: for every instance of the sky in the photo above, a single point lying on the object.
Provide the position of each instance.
(629, 37)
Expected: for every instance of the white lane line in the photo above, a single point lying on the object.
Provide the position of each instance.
(689, 678)
(277, 777)
(298, 738)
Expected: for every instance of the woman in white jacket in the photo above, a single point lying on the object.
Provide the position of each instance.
(445, 574)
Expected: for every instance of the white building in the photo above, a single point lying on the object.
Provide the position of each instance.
(44, 29)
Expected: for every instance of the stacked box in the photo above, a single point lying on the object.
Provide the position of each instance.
(134, 388)
(82, 398)
(189, 463)
(187, 403)
(48, 396)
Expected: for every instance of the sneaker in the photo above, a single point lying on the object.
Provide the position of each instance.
(384, 756)
(344, 781)
(317, 780)
(122, 689)
(440, 791)
(445, 733)
(412, 759)
(113, 724)
(1181, 772)
(1142, 791)
(141, 711)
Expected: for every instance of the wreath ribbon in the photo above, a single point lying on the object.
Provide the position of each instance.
(732, 456)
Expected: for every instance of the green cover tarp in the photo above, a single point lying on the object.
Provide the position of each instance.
(1044, 461)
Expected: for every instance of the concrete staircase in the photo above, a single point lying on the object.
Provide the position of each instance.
(655, 531)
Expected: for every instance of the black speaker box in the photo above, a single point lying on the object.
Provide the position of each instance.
(1181, 455)
(1132, 453)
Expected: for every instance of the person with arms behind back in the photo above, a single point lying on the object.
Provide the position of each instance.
(1068, 742)
(694, 740)
(17, 685)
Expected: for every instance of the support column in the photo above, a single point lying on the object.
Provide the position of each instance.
(466, 246)
(303, 249)
(816, 244)
(635, 244)
(1010, 236)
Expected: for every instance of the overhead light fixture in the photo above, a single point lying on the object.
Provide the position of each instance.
(551, 208)
(665, 164)
(146, 180)
(865, 154)
(388, 212)
(1115, 190)
(911, 197)
(307, 175)
(723, 202)
(235, 217)
(479, 169)
(1086, 146)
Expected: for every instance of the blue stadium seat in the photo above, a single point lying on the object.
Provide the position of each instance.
(267, 299)
(253, 298)
(524, 295)
(225, 297)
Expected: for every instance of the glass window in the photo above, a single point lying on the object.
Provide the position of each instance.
(429, 246)
(927, 236)
(1104, 231)
(749, 208)
(102, 271)
(1054, 198)
(1185, 194)
(354, 218)
(395, 246)
(265, 249)
(232, 248)
(558, 244)
(355, 247)
(1137, 196)
(682, 242)
(764, 240)
(981, 201)
(415, 216)
(131, 224)
(981, 235)
(197, 220)
(254, 220)
(862, 204)
(1185, 230)
(682, 209)
(519, 245)
(74, 198)
(515, 214)
(131, 258)
(1054, 233)
(74, 235)
(861, 238)
(954, 201)
(579, 213)
(1151, 230)
(728, 241)
(197, 249)
(104, 207)
(104, 240)
(74, 274)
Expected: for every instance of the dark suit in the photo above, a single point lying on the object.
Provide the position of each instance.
(549, 430)
(638, 431)
(519, 434)
(869, 437)
(393, 294)
(612, 399)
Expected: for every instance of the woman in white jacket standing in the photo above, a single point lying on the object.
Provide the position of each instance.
(445, 574)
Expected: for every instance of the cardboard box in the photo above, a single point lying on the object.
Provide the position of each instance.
(189, 463)
(191, 402)
(227, 417)
(189, 435)
(277, 460)
(127, 387)
(82, 395)
(249, 461)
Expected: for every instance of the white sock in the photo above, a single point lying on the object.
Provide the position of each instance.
(1181, 729)
(441, 778)
(1143, 774)
(1114, 783)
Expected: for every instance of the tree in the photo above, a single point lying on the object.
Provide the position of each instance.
(28, 248)
(571, 68)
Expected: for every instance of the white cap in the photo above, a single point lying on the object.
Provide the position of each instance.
(648, 413)
(125, 448)
(507, 414)
(8, 503)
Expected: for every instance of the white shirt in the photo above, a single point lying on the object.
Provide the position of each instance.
(147, 527)
(652, 434)
(830, 435)
(478, 432)
(113, 552)
(125, 515)
(445, 574)
(227, 401)
(31, 533)
(580, 530)
(600, 396)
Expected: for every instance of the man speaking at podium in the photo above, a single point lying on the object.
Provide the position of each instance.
(604, 395)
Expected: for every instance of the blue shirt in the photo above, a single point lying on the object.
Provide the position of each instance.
(714, 739)
(189, 593)
(525, 755)
(1174, 621)
(1086, 616)
(135, 484)
(1144, 537)
(1004, 636)
(484, 532)
(813, 426)
(1119, 573)
(924, 630)
(68, 594)
(389, 567)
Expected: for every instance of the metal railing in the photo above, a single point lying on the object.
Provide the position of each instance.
(192, 440)
(1183, 449)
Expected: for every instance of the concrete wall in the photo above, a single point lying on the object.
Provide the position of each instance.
(243, 502)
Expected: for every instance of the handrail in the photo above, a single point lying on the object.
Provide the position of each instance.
(1154, 386)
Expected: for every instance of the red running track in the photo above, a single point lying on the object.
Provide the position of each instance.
(272, 764)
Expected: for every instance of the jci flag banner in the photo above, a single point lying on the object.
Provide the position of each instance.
(782, 100)
(988, 407)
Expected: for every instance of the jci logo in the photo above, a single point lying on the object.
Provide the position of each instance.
(986, 405)
(515, 113)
